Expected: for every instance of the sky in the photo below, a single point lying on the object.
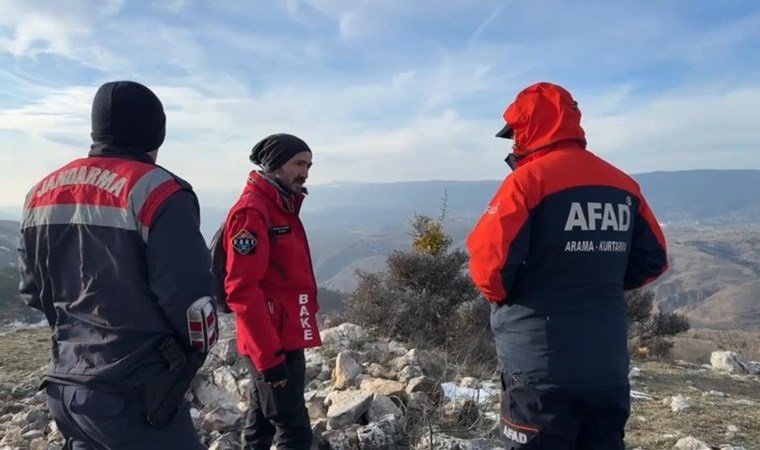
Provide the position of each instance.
(387, 90)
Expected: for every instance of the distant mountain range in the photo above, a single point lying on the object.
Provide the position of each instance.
(711, 219)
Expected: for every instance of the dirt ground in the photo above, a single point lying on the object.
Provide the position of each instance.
(724, 410)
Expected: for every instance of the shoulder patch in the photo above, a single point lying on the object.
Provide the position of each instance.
(244, 241)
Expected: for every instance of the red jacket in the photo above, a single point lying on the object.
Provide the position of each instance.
(561, 196)
(563, 238)
(270, 282)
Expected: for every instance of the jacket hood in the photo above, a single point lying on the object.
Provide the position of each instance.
(541, 115)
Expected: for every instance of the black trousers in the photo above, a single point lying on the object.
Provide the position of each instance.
(278, 414)
(91, 419)
(538, 420)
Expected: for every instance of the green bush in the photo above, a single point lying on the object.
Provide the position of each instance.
(426, 298)
(648, 330)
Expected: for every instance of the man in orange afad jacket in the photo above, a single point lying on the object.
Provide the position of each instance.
(564, 237)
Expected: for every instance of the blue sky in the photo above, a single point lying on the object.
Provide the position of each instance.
(382, 90)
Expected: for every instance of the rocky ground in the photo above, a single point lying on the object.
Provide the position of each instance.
(369, 394)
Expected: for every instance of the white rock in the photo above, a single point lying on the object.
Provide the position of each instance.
(714, 394)
(732, 362)
(33, 434)
(384, 387)
(337, 440)
(680, 403)
(397, 348)
(441, 441)
(217, 388)
(345, 372)
(382, 406)
(345, 336)
(222, 418)
(345, 407)
(469, 382)
(384, 434)
(690, 443)
(640, 395)
(408, 373)
(226, 351)
(226, 441)
(378, 371)
(732, 431)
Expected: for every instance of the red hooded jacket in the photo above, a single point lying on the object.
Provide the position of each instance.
(270, 282)
(563, 238)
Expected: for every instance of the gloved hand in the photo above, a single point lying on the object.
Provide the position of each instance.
(276, 376)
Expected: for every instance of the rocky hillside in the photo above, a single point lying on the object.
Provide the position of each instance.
(371, 394)
(8, 237)
(712, 276)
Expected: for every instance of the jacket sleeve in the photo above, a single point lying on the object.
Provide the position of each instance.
(247, 246)
(648, 258)
(28, 287)
(178, 265)
(500, 242)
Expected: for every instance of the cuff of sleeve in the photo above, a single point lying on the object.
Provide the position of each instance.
(276, 373)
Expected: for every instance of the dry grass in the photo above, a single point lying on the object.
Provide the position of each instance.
(22, 350)
(696, 345)
(653, 425)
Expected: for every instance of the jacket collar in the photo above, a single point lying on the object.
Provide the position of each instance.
(275, 193)
(98, 149)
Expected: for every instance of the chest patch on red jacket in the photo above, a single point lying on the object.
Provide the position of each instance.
(244, 241)
(280, 229)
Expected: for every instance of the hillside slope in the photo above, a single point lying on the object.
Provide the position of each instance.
(706, 260)
(736, 307)
(9, 233)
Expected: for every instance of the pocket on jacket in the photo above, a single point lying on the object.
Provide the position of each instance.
(97, 405)
(277, 314)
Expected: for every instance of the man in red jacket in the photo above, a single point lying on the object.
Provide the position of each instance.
(270, 286)
(564, 237)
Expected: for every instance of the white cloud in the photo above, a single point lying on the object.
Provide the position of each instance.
(54, 28)
(708, 127)
(382, 91)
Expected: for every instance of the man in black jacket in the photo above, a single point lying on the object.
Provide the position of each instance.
(111, 253)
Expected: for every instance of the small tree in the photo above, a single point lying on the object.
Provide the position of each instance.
(426, 297)
(647, 331)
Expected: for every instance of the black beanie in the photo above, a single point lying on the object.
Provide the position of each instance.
(128, 115)
(273, 151)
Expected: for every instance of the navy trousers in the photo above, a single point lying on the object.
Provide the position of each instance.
(538, 420)
(96, 420)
